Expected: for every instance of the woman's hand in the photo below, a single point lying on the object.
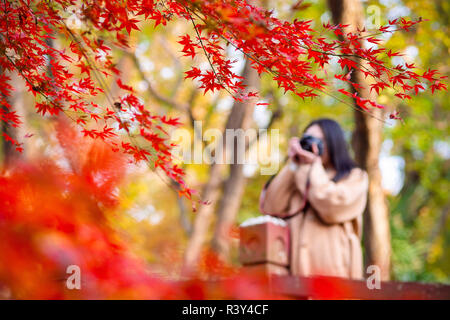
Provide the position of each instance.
(299, 155)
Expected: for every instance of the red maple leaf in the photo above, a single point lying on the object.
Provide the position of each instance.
(130, 24)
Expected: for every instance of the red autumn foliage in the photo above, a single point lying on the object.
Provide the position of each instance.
(54, 216)
(286, 50)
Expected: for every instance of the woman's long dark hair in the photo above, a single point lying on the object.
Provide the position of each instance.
(337, 147)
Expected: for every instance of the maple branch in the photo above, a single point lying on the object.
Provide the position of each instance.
(184, 107)
(273, 72)
(276, 73)
(206, 54)
(132, 140)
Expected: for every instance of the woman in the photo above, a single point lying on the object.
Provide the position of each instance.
(326, 224)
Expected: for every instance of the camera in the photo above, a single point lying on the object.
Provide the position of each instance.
(307, 141)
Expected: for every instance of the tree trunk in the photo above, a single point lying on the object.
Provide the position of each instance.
(235, 184)
(17, 103)
(366, 140)
(238, 118)
(8, 150)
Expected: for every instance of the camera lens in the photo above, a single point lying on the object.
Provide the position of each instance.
(307, 141)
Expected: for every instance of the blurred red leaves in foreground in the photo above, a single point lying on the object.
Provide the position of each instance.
(56, 212)
(53, 216)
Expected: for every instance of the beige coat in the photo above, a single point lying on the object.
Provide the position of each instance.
(326, 240)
